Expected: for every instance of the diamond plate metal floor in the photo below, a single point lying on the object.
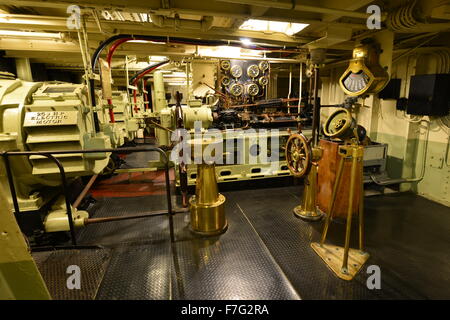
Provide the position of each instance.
(235, 265)
(53, 267)
(265, 253)
(407, 236)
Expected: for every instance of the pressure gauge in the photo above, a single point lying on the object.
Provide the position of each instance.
(236, 71)
(263, 65)
(263, 81)
(225, 65)
(225, 81)
(253, 71)
(252, 89)
(356, 82)
(236, 89)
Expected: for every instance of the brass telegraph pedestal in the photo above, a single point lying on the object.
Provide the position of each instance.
(343, 261)
(308, 209)
(207, 205)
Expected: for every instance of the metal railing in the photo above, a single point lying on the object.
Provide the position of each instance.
(50, 155)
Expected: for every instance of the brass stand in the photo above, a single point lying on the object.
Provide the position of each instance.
(207, 206)
(345, 262)
(308, 210)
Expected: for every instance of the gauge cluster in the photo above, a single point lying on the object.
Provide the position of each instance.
(244, 80)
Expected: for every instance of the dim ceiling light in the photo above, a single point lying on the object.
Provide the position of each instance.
(27, 34)
(288, 28)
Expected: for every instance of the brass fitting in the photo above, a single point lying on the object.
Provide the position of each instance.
(207, 206)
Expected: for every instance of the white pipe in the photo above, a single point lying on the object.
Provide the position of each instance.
(290, 86)
(300, 89)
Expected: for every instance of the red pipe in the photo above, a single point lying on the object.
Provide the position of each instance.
(136, 81)
(145, 95)
(135, 101)
(108, 60)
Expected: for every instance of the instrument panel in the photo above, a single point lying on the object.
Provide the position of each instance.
(244, 80)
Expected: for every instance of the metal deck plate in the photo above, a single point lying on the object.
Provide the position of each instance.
(288, 240)
(115, 233)
(53, 267)
(138, 272)
(265, 253)
(234, 265)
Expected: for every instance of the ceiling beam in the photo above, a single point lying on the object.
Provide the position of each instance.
(201, 8)
(58, 24)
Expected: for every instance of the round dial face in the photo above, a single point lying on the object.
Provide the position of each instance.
(263, 65)
(225, 81)
(253, 71)
(253, 89)
(236, 71)
(263, 81)
(236, 89)
(225, 64)
(355, 82)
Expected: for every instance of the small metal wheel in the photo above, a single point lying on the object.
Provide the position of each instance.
(298, 154)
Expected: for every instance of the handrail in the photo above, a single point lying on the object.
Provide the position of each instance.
(50, 155)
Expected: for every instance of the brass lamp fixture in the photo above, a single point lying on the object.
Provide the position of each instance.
(207, 205)
(364, 74)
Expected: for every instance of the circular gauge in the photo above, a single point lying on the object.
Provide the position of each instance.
(263, 81)
(263, 65)
(236, 89)
(340, 124)
(236, 71)
(225, 81)
(252, 89)
(253, 71)
(225, 64)
(356, 82)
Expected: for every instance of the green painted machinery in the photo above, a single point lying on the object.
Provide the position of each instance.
(47, 117)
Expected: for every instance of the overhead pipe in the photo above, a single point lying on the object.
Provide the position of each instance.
(403, 20)
(181, 40)
(117, 40)
(134, 80)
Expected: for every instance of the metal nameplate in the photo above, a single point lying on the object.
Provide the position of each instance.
(50, 118)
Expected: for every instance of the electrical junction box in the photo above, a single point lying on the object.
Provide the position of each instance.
(391, 91)
(429, 95)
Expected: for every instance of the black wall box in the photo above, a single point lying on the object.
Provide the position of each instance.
(429, 95)
(391, 91)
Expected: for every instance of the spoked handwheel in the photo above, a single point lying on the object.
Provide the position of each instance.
(298, 154)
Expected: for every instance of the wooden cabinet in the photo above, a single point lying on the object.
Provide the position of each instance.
(328, 166)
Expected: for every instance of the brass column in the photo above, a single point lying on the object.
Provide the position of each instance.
(308, 210)
(207, 205)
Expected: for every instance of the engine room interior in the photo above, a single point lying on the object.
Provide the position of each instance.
(224, 150)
